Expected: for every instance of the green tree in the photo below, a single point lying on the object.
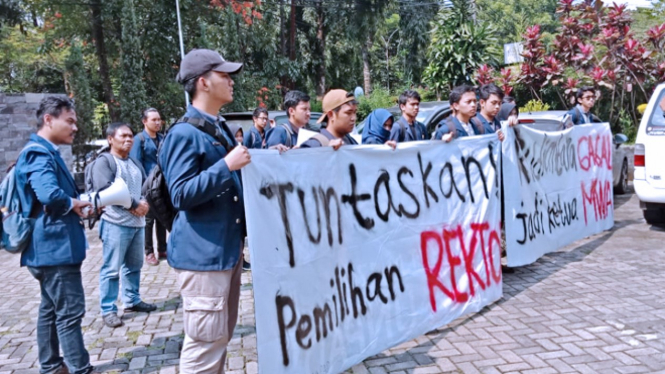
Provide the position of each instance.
(646, 18)
(132, 89)
(415, 17)
(458, 47)
(365, 17)
(10, 13)
(512, 17)
(27, 65)
(78, 87)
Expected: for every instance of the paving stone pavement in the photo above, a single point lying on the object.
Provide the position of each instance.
(597, 306)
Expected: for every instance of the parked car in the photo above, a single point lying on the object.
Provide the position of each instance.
(431, 113)
(556, 120)
(548, 120)
(276, 117)
(649, 180)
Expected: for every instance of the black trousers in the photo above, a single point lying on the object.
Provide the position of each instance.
(150, 221)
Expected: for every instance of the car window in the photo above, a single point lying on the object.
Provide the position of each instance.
(423, 113)
(656, 124)
(312, 125)
(436, 119)
(245, 123)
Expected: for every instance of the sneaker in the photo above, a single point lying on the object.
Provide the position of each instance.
(151, 260)
(141, 307)
(161, 255)
(246, 265)
(112, 320)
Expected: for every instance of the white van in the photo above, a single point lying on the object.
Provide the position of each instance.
(649, 180)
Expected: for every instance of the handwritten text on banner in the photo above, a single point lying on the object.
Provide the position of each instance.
(357, 250)
(558, 188)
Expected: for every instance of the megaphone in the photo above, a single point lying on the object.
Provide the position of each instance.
(116, 194)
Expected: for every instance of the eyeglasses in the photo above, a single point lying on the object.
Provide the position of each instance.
(262, 118)
(589, 97)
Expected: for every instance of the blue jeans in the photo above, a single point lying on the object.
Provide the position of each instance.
(59, 322)
(123, 251)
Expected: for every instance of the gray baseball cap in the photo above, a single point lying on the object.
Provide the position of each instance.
(200, 61)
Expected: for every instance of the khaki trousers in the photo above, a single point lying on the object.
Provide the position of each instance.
(210, 312)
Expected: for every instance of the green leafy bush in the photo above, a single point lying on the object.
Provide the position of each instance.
(626, 125)
(380, 98)
(315, 105)
(534, 106)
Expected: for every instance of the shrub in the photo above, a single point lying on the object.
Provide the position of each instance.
(380, 98)
(534, 106)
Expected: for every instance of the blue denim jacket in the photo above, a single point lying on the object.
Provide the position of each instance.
(210, 224)
(489, 127)
(578, 117)
(443, 129)
(279, 135)
(58, 237)
(396, 131)
(146, 153)
(253, 138)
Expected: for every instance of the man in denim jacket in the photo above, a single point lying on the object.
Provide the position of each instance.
(57, 248)
(202, 173)
(146, 145)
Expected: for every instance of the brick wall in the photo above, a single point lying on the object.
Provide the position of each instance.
(17, 121)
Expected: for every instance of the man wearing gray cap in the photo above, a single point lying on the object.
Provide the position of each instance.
(201, 160)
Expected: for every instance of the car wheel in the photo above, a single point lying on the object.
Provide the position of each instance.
(654, 216)
(622, 187)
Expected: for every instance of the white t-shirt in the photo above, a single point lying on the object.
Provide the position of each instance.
(468, 128)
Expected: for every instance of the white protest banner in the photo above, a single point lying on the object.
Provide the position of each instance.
(357, 250)
(557, 187)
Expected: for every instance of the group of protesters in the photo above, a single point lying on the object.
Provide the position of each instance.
(202, 172)
(474, 112)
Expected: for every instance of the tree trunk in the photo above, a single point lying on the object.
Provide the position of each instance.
(98, 35)
(387, 42)
(243, 46)
(321, 49)
(287, 82)
(283, 79)
(367, 79)
(292, 34)
(282, 29)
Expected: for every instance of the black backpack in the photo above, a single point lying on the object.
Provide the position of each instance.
(155, 190)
